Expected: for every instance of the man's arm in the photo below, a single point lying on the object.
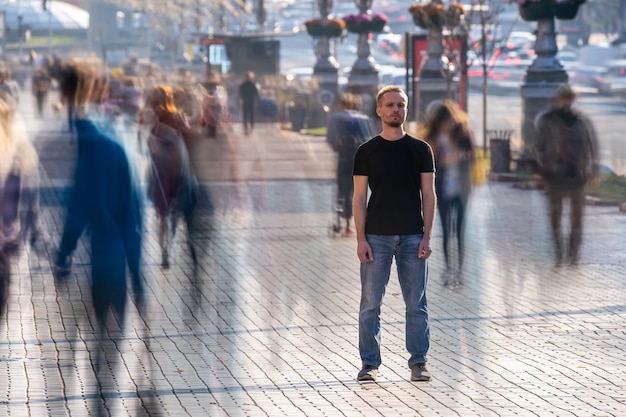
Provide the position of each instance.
(429, 202)
(359, 208)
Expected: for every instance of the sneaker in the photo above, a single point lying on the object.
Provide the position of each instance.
(62, 267)
(368, 373)
(420, 373)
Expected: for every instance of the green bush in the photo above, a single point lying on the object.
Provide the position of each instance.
(611, 187)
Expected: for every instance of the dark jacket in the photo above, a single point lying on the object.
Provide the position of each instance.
(248, 93)
(171, 181)
(566, 147)
(106, 201)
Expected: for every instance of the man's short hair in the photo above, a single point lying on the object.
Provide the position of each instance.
(389, 89)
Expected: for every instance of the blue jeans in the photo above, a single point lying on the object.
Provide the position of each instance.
(412, 274)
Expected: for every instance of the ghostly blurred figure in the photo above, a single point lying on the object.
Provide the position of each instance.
(19, 193)
(249, 96)
(347, 130)
(448, 132)
(160, 100)
(567, 155)
(171, 180)
(106, 200)
(41, 84)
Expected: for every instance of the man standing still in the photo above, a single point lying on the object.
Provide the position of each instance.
(248, 94)
(396, 222)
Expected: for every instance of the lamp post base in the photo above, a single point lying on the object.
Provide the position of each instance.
(433, 89)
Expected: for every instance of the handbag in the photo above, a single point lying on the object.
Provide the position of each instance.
(478, 169)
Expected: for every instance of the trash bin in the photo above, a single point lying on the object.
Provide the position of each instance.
(500, 150)
(297, 115)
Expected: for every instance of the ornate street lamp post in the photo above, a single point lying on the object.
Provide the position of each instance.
(437, 76)
(364, 73)
(543, 77)
(433, 75)
(326, 67)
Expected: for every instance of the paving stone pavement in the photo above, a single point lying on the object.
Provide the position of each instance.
(269, 325)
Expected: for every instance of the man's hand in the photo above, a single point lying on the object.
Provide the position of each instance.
(364, 251)
(424, 250)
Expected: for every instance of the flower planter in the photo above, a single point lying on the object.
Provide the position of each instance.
(330, 32)
(366, 27)
(565, 11)
(426, 22)
(536, 11)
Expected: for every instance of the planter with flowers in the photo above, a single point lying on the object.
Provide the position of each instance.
(533, 10)
(365, 22)
(436, 15)
(332, 28)
(566, 10)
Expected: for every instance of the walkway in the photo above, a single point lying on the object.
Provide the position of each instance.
(270, 328)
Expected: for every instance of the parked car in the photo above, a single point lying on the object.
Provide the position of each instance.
(613, 81)
(504, 72)
(568, 59)
(586, 76)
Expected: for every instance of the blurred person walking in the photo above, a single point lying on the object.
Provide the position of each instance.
(160, 99)
(68, 85)
(41, 83)
(105, 200)
(131, 98)
(396, 222)
(9, 89)
(248, 96)
(347, 130)
(567, 161)
(172, 185)
(448, 132)
(215, 115)
(19, 193)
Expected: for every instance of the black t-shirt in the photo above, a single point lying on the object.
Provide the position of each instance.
(394, 172)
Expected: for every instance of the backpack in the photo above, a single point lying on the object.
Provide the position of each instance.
(567, 158)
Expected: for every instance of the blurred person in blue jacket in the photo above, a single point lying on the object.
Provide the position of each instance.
(347, 129)
(106, 201)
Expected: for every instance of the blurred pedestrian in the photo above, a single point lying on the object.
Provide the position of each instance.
(68, 85)
(19, 193)
(105, 200)
(348, 128)
(161, 100)
(172, 185)
(214, 104)
(567, 158)
(41, 83)
(9, 90)
(447, 130)
(131, 98)
(395, 222)
(248, 96)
